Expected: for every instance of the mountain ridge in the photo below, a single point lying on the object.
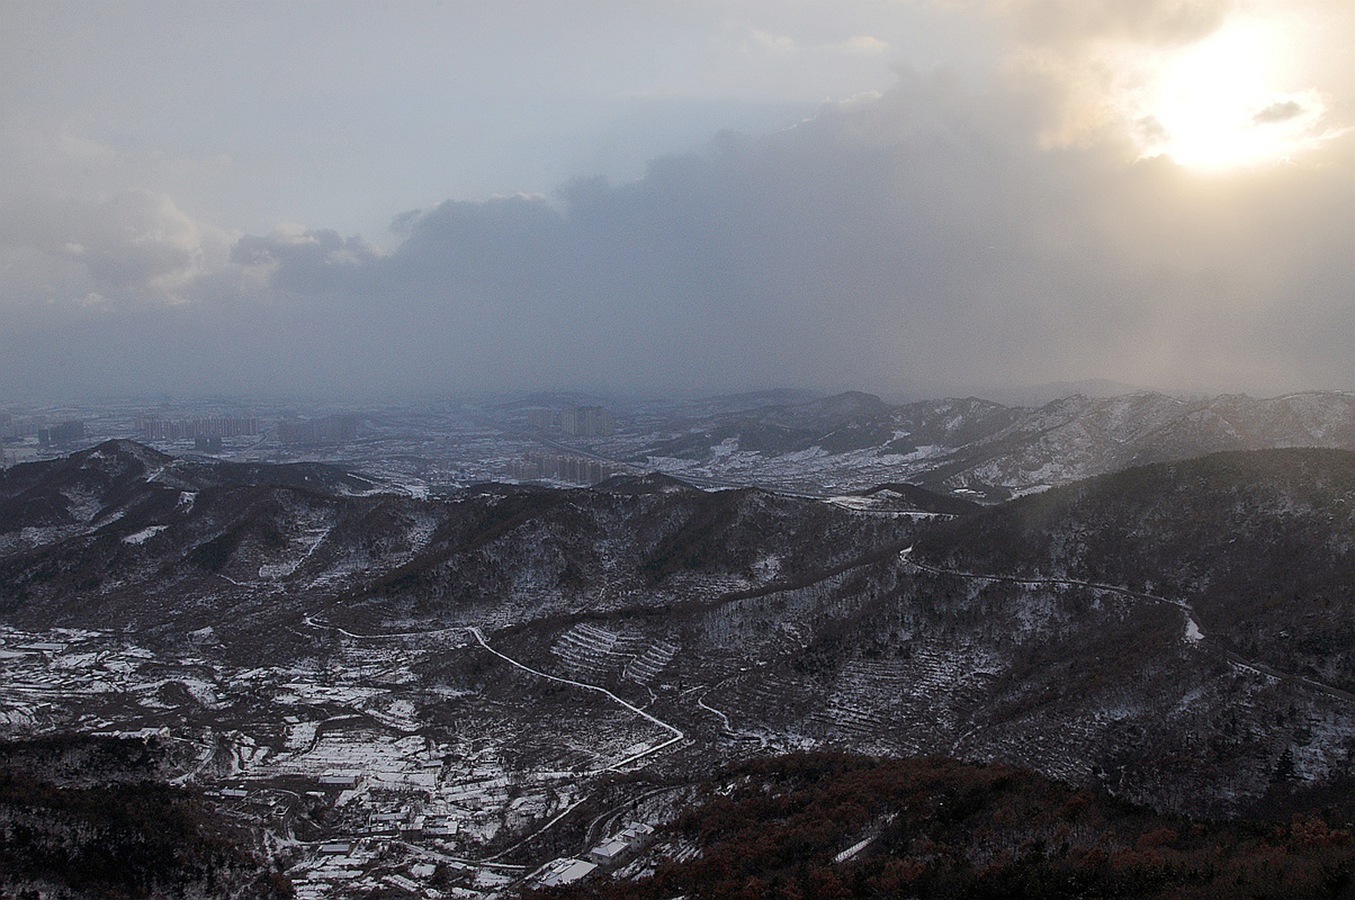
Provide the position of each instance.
(985, 450)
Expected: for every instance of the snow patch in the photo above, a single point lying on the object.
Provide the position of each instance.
(855, 503)
(416, 489)
(278, 570)
(144, 535)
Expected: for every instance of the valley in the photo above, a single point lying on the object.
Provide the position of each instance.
(507, 687)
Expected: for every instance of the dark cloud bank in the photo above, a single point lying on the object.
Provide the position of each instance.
(923, 241)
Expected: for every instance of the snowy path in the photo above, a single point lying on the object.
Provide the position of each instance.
(672, 729)
(608, 821)
(724, 719)
(323, 533)
(1193, 633)
(1192, 624)
(540, 831)
(462, 861)
(311, 621)
(729, 732)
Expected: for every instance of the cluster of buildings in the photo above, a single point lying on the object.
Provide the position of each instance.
(587, 421)
(153, 428)
(579, 421)
(63, 436)
(621, 844)
(574, 469)
(13, 428)
(567, 870)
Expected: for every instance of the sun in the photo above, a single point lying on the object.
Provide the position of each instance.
(1226, 102)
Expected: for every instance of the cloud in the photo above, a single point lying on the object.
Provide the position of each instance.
(1073, 23)
(923, 238)
(861, 45)
(307, 261)
(795, 55)
(1281, 111)
(136, 247)
(757, 41)
(140, 242)
(928, 238)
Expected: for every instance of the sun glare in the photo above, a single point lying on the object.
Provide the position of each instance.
(1225, 103)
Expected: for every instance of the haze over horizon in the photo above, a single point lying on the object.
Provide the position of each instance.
(899, 196)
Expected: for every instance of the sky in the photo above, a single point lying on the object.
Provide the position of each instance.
(918, 197)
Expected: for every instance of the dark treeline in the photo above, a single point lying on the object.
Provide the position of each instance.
(133, 836)
(939, 828)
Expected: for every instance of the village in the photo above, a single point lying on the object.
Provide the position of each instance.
(350, 788)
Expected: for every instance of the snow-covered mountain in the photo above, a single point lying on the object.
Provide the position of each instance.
(332, 658)
(984, 449)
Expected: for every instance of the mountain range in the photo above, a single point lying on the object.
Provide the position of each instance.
(1175, 634)
(983, 449)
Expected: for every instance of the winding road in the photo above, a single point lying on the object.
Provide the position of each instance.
(677, 733)
(1194, 633)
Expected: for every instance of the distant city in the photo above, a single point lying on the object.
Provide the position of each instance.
(797, 442)
(583, 421)
(367, 438)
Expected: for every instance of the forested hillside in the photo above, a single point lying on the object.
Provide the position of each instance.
(833, 827)
(1260, 544)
